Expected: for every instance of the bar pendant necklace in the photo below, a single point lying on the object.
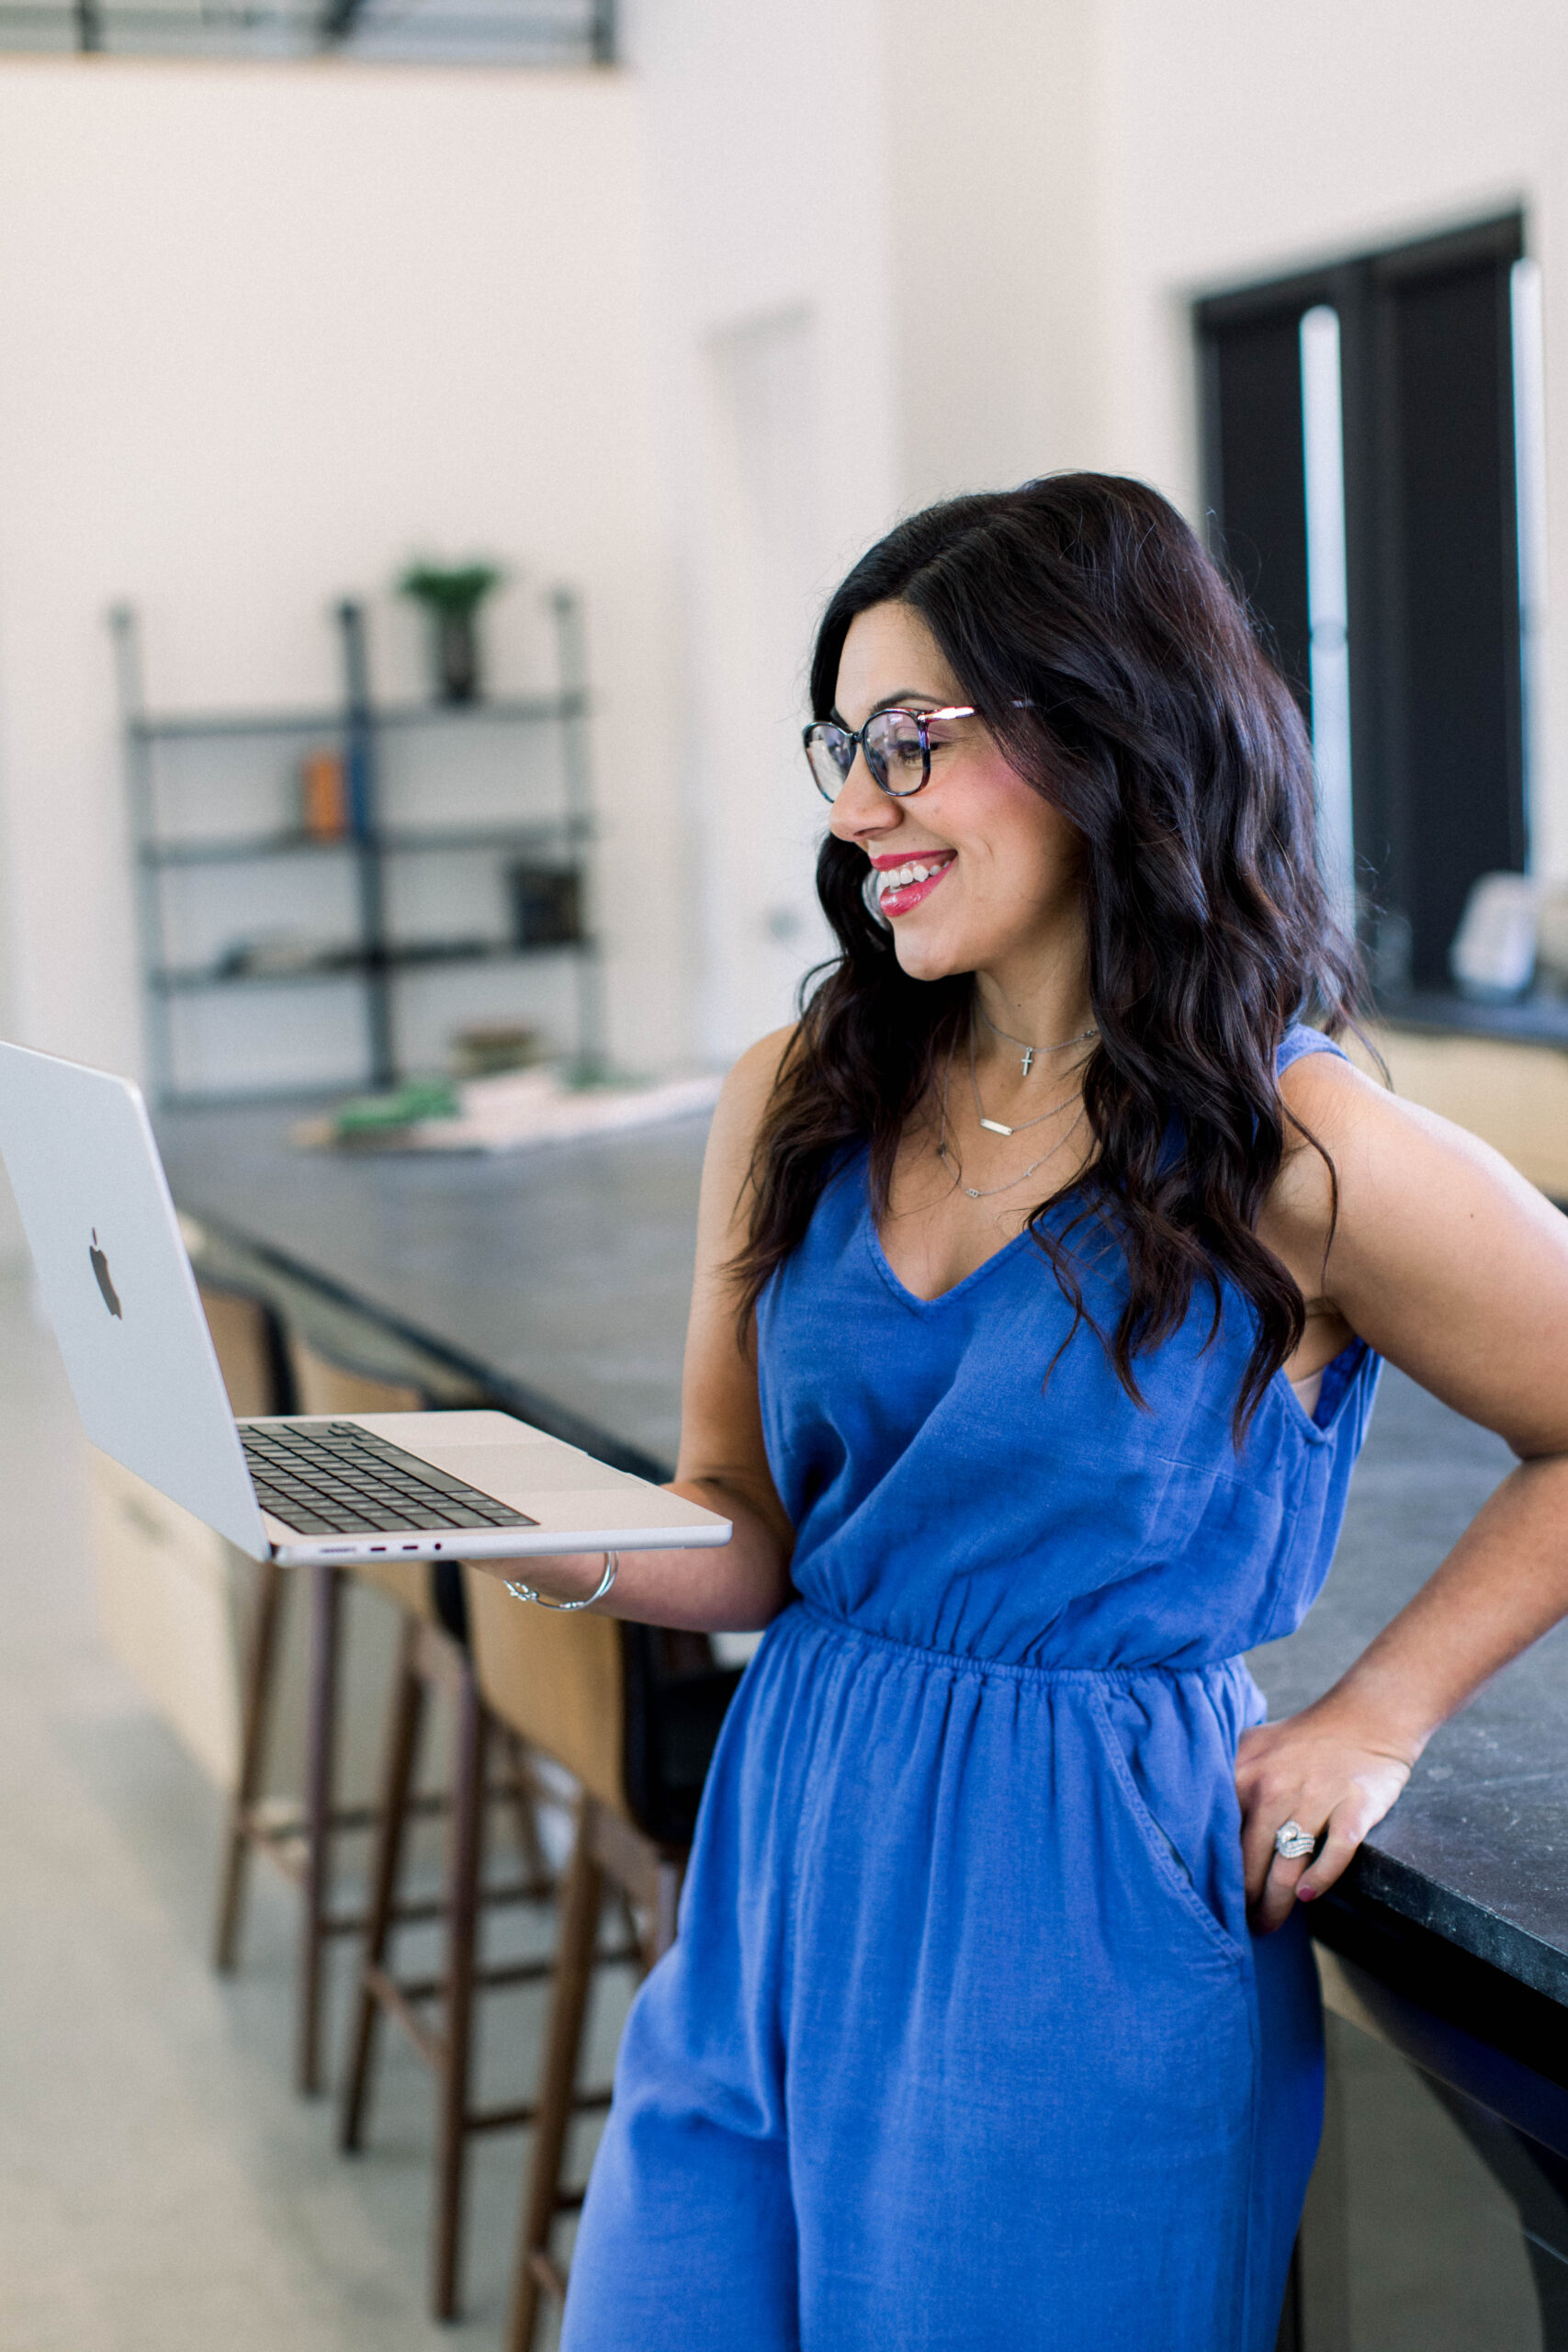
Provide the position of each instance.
(996, 1127)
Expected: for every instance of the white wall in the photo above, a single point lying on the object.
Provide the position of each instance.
(999, 148)
(265, 332)
(776, 388)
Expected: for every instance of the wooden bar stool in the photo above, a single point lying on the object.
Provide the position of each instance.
(633, 1713)
(433, 1658)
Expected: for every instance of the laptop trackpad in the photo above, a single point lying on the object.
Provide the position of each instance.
(511, 1473)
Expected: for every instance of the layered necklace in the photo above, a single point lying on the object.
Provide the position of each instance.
(995, 1126)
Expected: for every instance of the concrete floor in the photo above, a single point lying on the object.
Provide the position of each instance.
(161, 2189)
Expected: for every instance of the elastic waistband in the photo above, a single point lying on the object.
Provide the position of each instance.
(997, 1669)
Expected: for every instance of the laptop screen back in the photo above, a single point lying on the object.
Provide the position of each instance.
(79, 1150)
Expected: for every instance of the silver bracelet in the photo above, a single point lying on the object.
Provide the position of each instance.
(611, 1569)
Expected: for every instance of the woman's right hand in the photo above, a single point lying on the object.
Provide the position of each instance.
(738, 1587)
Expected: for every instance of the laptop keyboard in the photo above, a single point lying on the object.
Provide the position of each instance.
(332, 1479)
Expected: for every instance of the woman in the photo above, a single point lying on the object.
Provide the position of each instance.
(1044, 1271)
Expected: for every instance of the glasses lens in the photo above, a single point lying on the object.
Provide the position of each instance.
(831, 754)
(894, 753)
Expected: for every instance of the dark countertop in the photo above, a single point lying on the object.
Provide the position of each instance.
(1534, 1020)
(558, 1279)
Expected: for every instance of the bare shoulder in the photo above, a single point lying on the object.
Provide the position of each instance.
(747, 1089)
(732, 1139)
(1327, 1103)
(746, 1093)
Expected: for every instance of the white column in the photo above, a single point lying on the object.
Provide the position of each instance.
(1328, 603)
(1529, 482)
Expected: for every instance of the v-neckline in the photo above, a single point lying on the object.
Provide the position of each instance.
(912, 1297)
(884, 1264)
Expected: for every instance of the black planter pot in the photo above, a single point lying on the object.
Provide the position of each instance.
(456, 656)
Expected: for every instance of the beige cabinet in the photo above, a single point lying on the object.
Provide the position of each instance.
(172, 1600)
(174, 1604)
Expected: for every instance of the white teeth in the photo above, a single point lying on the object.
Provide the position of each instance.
(900, 876)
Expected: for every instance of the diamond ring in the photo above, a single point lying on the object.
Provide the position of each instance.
(1291, 1841)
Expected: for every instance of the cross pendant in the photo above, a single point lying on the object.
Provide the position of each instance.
(1028, 1059)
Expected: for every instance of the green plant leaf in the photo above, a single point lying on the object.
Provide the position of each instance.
(454, 588)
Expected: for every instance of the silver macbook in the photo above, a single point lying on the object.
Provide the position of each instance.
(80, 1152)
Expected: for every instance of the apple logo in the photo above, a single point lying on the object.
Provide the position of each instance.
(101, 1273)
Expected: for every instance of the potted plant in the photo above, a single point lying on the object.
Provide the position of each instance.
(452, 595)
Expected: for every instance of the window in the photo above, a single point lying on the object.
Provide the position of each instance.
(1377, 535)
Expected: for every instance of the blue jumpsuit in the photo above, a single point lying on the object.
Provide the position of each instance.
(964, 2046)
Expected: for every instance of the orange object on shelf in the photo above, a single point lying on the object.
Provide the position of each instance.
(324, 795)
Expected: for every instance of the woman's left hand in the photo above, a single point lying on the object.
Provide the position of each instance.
(1325, 1771)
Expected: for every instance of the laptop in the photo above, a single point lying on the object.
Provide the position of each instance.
(305, 1490)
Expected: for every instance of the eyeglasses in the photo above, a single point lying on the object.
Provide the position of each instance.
(897, 743)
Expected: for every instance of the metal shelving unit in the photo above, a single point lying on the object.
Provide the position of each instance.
(370, 957)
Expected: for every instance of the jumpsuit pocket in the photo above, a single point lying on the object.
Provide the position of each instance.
(1171, 1866)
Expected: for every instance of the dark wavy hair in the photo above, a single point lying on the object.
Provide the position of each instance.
(1154, 719)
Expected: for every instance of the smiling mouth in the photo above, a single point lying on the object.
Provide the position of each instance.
(909, 883)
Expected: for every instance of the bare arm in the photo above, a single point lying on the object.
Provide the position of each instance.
(1456, 1270)
(722, 1463)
